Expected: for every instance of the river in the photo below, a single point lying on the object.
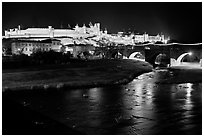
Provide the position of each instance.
(145, 106)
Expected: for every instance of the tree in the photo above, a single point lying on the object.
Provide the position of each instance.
(63, 49)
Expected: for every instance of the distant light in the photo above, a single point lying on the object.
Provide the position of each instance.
(190, 53)
(147, 48)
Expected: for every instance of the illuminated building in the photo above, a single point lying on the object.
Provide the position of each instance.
(28, 47)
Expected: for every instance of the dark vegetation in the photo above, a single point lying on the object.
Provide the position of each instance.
(36, 59)
(41, 58)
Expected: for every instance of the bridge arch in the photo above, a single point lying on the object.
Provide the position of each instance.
(186, 57)
(137, 56)
(160, 59)
(180, 58)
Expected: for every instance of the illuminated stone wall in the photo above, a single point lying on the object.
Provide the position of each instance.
(51, 32)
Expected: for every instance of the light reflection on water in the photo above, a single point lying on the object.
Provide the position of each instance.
(140, 107)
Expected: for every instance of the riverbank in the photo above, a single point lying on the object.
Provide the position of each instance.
(92, 73)
(185, 74)
(174, 75)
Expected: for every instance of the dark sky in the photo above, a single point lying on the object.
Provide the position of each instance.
(181, 21)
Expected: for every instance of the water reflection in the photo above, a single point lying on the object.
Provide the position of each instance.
(188, 104)
(95, 94)
(140, 107)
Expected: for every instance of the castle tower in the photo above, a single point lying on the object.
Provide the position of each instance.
(98, 26)
(162, 38)
(90, 25)
(77, 26)
(6, 34)
(51, 32)
(19, 27)
(84, 28)
(146, 37)
(105, 31)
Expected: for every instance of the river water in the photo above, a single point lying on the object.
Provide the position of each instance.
(144, 106)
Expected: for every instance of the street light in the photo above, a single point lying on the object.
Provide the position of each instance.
(190, 53)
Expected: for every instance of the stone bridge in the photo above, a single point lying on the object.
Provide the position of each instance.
(185, 52)
(155, 54)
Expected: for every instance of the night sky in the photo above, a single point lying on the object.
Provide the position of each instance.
(181, 21)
